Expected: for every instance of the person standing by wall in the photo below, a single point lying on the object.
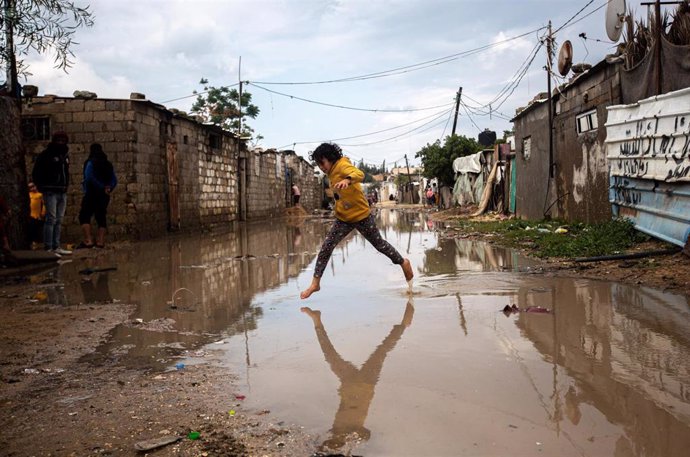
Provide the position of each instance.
(296, 194)
(37, 214)
(51, 176)
(99, 182)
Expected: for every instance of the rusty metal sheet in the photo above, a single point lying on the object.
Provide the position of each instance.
(648, 149)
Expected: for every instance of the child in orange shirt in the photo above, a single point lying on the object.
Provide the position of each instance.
(351, 212)
(37, 215)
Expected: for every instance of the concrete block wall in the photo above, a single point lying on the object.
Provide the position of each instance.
(218, 182)
(108, 122)
(581, 165)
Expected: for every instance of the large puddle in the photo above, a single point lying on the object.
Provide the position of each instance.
(375, 371)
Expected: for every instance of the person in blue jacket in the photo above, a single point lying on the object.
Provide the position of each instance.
(99, 182)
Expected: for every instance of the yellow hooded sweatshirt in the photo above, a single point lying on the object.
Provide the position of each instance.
(351, 206)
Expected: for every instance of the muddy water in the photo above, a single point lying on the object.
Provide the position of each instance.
(373, 370)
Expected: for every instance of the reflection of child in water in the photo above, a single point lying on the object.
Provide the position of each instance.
(351, 211)
(356, 385)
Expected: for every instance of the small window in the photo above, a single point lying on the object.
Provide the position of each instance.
(527, 147)
(587, 121)
(35, 128)
(185, 139)
(214, 141)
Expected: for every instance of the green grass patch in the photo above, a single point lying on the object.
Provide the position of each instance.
(580, 240)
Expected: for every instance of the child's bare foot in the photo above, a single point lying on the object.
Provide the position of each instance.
(314, 314)
(313, 287)
(407, 269)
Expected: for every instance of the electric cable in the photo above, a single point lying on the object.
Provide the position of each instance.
(573, 17)
(416, 129)
(195, 94)
(469, 116)
(372, 133)
(372, 110)
(407, 68)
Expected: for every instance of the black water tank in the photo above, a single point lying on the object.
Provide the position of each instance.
(487, 137)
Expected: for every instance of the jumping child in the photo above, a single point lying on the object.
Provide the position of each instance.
(351, 212)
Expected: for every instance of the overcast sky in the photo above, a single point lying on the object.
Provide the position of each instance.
(163, 49)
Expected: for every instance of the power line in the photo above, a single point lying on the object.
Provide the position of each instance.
(371, 133)
(606, 2)
(443, 134)
(470, 116)
(373, 110)
(574, 16)
(408, 68)
(195, 94)
(417, 129)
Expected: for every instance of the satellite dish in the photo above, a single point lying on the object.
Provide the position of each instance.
(615, 15)
(565, 58)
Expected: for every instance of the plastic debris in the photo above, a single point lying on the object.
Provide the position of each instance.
(179, 366)
(31, 371)
(561, 230)
(512, 309)
(240, 397)
(155, 443)
(194, 435)
(231, 412)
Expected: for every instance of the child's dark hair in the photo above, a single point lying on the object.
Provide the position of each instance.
(330, 151)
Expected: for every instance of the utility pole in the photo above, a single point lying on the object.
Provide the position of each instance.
(239, 105)
(409, 179)
(457, 107)
(549, 50)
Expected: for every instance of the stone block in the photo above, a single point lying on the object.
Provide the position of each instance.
(83, 137)
(103, 137)
(114, 105)
(74, 105)
(85, 116)
(103, 116)
(115, 126)
(94, 105)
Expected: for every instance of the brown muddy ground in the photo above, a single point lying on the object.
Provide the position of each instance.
(54, 401)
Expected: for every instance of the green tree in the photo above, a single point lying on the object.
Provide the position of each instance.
(219, 106)
(43, 26)
(437, 159)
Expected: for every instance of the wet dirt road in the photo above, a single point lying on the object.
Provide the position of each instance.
(370, 369)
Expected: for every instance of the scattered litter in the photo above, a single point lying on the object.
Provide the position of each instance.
(159, 377)
(40, 295)
(561, 230)
(172, 302)
(179, 366)
(240, 397)
(139, 321)
(74, 399)
(145, 283)
(31, 371)
(512, 309)
(220, 342)
(231, 412)
(155, 443)
(543, 230)
(194, 435)
(88, 271)
(72, 414)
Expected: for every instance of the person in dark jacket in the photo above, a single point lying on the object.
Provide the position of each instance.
(51, 176)
(99, 182)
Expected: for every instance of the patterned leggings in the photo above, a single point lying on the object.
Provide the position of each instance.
(340, 229)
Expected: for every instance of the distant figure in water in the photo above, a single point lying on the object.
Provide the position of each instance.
(351, 211)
